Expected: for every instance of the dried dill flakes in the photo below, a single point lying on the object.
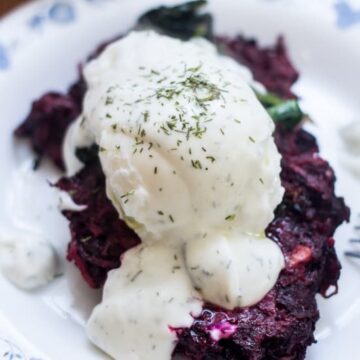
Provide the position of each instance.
(83, 120)
(175, 268)
(127, 194)
(109, 100)
(207, 273)
(168, 93)
(136, 275)
(230, 217)
(190, 81)
(196, 164)
(146, 116)
(189, 85)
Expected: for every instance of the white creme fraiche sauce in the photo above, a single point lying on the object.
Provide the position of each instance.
(27, 259)
(192, 167)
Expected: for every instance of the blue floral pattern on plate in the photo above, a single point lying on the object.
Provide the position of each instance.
(62, 12)
(10, 351)
(4, 58)
(55, 12)
(346, 15)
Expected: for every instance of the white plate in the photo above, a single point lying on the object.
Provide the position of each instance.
(40, 45)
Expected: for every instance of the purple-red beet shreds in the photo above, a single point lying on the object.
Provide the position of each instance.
(280, 326)
(98, 235)
(47, 123)
(270, 66)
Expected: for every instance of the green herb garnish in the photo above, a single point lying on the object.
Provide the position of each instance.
(182, 21)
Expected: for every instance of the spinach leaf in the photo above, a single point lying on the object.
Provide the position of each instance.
(287, 112)
(87, 155)
(268, 99)
(182, 21)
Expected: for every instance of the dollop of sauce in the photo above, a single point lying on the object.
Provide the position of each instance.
(27, 260)
(192, 167)
(143, 304)
(227, 270)
(350, 157)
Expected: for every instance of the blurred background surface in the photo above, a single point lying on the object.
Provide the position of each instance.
(7, 5)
